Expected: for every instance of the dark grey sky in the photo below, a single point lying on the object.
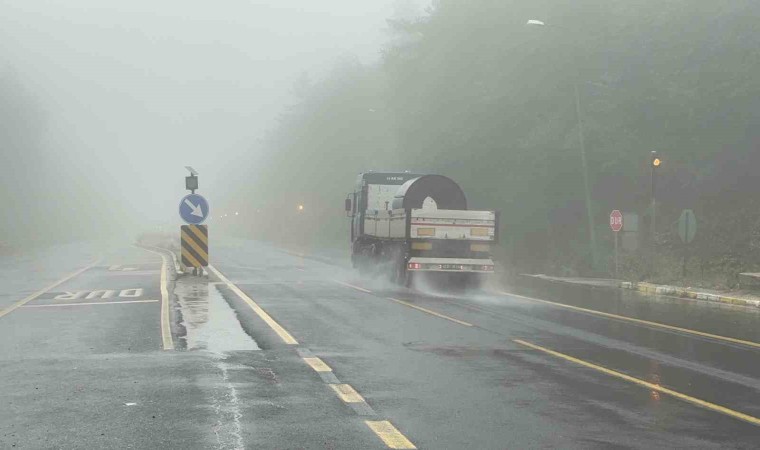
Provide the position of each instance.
(135, 90)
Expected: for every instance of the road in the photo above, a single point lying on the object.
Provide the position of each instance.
(279, 351)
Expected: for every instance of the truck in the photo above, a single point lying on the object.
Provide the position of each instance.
(409, 226)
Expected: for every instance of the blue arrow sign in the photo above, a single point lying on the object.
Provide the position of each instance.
(193, 209)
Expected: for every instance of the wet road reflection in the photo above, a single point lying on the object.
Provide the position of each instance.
(209, 322)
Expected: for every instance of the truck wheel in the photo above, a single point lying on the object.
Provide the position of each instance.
(399, 273)
(362, 263)
(408, 279)
(472, 281)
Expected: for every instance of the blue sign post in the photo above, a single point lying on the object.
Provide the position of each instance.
(193, 209)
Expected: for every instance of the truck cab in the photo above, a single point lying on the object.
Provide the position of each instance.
(373, 192)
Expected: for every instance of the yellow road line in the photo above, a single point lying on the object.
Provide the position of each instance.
(640, 321)
(166, 329)
(284, 335)
(90, 303)
(28, 299)
(425, 310)
(648, 385)
(347, 393)
(353, 287)
(317, 364)
(389, 434)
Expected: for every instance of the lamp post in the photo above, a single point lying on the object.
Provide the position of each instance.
(584, 163)
(656, 162)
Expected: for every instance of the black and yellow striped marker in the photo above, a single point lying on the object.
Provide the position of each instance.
(194, 245)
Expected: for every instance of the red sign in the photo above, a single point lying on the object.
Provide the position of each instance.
(616, 220)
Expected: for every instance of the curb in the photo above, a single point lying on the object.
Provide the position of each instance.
(177, 269)
(654, 289)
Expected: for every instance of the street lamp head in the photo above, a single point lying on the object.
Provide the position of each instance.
(535, 22)
(656, 160)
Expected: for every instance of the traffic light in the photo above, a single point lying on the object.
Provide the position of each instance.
(656, 160)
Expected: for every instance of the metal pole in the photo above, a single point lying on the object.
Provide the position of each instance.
(685, 245)
(616, 255)
(587, 190)
(654, 216)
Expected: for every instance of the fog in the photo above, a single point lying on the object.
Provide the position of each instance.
(104, 102)
(281, 103)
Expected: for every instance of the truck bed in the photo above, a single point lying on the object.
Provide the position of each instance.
(432, 224)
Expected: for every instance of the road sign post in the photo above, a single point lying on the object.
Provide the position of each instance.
(194, 209)
(616, 224)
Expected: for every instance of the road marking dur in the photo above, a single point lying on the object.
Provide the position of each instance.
(425, 310)
(284, 335)
(52, 305)
(648, 385)
(640, 321)
(389, 434)
(166, 330)
(28, 299)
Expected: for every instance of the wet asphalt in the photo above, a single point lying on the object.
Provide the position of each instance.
(449, 370)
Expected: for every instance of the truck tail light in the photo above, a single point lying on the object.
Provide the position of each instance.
(415, 266)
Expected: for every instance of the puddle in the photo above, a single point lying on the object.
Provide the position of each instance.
(209, 321)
